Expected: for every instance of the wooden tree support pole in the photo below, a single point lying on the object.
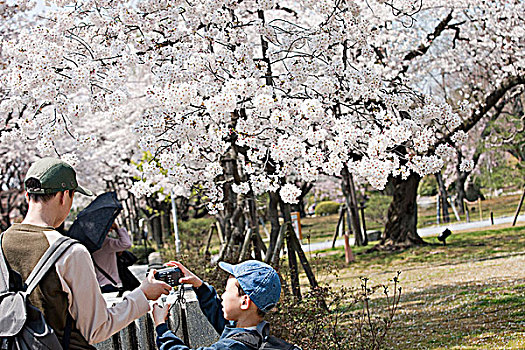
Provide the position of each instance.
(341, 218)
(467, 211)
(456, 214)
(208, 240)
(273, 258)
(519, 208)
(302, 257)
(304, 262)
(219, 232)
(362, 208)
(258, 237)
(245, 245)
(292, 262)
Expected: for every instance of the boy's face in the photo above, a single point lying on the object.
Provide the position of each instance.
(232, 301)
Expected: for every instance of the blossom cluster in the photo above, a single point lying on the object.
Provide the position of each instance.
(279, 93)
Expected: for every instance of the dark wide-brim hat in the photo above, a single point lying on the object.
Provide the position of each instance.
(54, 175)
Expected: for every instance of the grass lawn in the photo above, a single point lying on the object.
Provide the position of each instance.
(469, 294)
(318, 229)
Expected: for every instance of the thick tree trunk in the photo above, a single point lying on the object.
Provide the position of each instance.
(401, 227)
(461, 195)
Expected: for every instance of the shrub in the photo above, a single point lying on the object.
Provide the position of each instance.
(337, 318)
(192, 234)
(327, 208)
(377, 209)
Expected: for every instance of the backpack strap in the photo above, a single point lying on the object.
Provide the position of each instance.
(251, 340)
(50, 257)
(4, 271)
(67, 332)
(104, 272)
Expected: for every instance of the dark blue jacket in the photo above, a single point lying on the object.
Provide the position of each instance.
(210, 304)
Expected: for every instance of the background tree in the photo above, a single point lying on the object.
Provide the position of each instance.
(471, 48)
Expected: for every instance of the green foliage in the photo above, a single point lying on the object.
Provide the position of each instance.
(428, 186)
(193, 234)
(377, 208)
(508, 174)
(142, 253)
(327, 208)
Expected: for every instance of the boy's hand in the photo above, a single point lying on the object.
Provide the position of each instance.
(160, 314)
(189, 277)
(153, 288)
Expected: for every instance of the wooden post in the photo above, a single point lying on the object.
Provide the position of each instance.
(349, 256)
(362, 207)
(437, 209)
(519, 208)
(480, 212)
(264, 228)
(467, 211)
(454, 209)
(491, 217)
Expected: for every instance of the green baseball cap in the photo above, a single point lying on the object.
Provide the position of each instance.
(54, 175)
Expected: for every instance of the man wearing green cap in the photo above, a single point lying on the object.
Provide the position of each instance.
(69, 297)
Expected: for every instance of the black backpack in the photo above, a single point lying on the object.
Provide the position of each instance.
(256, 342)
(17, 332)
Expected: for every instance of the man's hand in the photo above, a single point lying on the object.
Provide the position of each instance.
(153, 288)
(189, 277)
(160, 314)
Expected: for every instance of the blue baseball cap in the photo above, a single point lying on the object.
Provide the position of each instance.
(258, 280)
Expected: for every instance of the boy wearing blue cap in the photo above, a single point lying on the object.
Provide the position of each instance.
(252, 290)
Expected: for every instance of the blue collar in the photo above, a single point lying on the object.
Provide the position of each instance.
(263, 329)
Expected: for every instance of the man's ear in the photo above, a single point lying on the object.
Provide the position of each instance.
(245, 303)
(62, 195)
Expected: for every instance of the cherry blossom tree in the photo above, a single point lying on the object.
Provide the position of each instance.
(467, 49)
(243, 95)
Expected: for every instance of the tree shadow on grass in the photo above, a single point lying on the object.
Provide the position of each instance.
(475, 315)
